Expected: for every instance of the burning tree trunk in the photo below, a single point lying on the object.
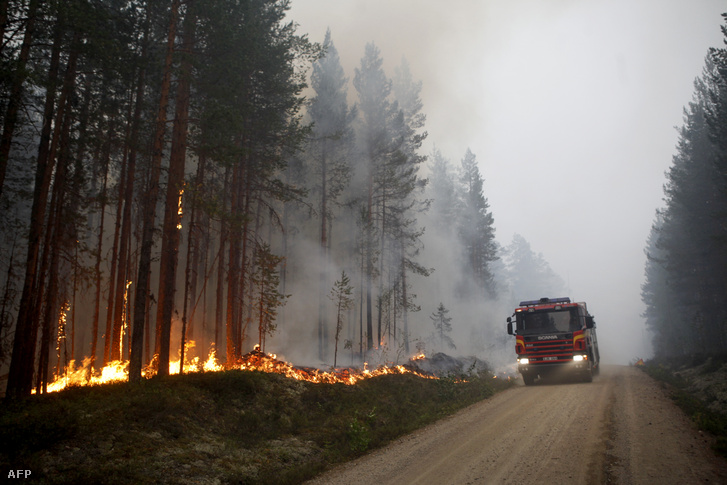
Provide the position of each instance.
(173, 207)
(117, 279)
(126, 195)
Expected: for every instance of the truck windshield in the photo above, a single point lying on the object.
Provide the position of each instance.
(547, 322)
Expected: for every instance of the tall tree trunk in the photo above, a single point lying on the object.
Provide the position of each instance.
(127, 198)
(381, 265)
(16, 91)
(220, 306)
(110, 343)
(192, 260)
(175, 186)
(199, 234)
(219, 288)
(8, 297)
(97, 274)
(323, 254)
(405, 305)
(53, 245)
(20, 376)
(369, 258)
(149, 210)
(80, 160)
(234, 300)
(244, 261)
(117, 278)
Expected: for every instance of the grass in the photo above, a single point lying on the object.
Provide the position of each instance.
(233, 426)
(706, 419)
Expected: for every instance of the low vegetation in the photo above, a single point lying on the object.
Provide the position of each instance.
(699, 387)
(226, 427)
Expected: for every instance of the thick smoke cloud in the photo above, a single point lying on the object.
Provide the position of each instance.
(570, 108)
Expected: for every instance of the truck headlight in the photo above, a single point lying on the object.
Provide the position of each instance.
(579, 358)
(524, 361)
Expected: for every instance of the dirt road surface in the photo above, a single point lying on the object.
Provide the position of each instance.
(622, 428)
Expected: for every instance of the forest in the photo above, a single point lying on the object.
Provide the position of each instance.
(185, 177)
(686, 270)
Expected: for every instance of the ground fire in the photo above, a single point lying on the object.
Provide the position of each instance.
(256, 360)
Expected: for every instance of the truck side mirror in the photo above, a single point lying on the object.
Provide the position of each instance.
(590, 323)
(509, 326)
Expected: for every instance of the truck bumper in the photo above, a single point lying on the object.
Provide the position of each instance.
(542, 368)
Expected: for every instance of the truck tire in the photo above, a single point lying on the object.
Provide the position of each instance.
(528, 379)
(588, 376)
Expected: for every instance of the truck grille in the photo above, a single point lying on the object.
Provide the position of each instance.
(548, 351)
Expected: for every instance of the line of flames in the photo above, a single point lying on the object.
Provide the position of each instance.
(117, 371)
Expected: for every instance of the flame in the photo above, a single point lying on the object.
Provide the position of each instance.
(61, 327)
(263, 362)
(418, 357)
(123, 318)
(179, 209)
(118, 371)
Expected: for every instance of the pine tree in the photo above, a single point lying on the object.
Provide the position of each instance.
(661, 313)
(690, 235)
(175, 188)
(442, 326)
(19, 77)
(408, 199)
(527, 274)
(373, 88)
(390, 140)
(150, 202)
(476, 226)
(342, 297)
(267, 297)
(329, 149)
(443, 193)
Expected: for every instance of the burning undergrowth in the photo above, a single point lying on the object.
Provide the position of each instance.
(231, 426)
(117, 371)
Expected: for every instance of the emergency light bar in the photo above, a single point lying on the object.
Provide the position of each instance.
(543, 301)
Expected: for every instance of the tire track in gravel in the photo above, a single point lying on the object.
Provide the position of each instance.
(621, 428)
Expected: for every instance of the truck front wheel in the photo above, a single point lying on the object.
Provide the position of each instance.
(528, 379)
(588, 376)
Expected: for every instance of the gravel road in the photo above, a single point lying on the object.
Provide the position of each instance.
(622, 428)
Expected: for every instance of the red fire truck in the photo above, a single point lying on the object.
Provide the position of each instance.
(554, 335)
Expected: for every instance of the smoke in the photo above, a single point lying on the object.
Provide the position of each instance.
(570, 108)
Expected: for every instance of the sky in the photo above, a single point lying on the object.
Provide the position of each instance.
(572, 109)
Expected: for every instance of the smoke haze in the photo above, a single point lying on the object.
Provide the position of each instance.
(570, 108)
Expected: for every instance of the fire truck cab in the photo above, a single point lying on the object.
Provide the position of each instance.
(553, 335)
